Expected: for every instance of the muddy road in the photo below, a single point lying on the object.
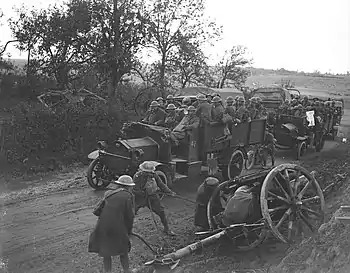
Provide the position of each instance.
(49, 232)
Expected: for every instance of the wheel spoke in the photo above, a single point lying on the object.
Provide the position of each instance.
(277, 209)
(302, 192)
(314, 198)
(311, 211)
(284, 217)
(279, 197)
(296, 183)
(280, 186)
(288, 186)
(306, 221)
(290, 229)
(286, 175)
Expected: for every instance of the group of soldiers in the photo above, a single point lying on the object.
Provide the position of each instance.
(299, 106)
(179, 117)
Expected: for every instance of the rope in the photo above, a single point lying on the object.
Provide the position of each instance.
(156, 226)
(144, 241)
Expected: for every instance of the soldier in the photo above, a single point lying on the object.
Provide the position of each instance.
(269, 144)
(261, 110)
(209, 98)
(305, 101)
(230, 107)
(170, 100)
(147, 186)
(298, 110)
(204, 110)
(182, 110)
(171, 119)
(161, 102)
(217, 110)
(242, 114)
(252, 108)
(155, 115)
(189, 122)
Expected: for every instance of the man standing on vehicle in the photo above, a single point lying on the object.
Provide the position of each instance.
(242, 113)
(155, 115)
(189, 122)
(217, 110)
(203, 110)
(170, 100)
(230, 107)
(170, 120)
(146, 190)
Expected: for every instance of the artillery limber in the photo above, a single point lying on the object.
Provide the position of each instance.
(209, 146)
(294, 133)
(288, 202)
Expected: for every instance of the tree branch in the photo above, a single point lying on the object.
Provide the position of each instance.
(5, 46)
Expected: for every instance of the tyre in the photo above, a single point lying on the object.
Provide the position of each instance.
(97, 175)
(251, 159)
(235, 164)
(301, 149)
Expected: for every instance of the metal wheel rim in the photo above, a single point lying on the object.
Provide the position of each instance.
(297, 208)
(99, 183)
(234, 154)
(301, 149)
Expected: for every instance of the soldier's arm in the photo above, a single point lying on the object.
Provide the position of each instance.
(195, 124)
(161, 185)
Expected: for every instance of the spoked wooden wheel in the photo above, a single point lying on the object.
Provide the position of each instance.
(235, 165)
(244, 239)
(291, 201)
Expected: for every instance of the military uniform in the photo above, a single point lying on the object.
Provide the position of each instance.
(204, 110)
(155, 115)
(189, 121)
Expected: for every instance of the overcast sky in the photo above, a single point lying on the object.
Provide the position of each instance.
(303, 35)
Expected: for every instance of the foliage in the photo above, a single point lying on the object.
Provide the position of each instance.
(189, 65)
(232, 67)
(64, 38)
(173, 24)
(38, 132)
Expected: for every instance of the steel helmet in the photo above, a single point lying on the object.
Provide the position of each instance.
(229, 99)
(191, 108)
(159, 98)
(154, 104)
(171, 107)
(170, 97)
(186, 100)
(241, 99)
(216, 99)
(147, 166)
(211, 181)
(125, 180)
(201, 97)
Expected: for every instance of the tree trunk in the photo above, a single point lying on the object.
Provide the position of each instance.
(115, 51)
(162, 74)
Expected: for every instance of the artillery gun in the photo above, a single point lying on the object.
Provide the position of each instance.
(289, 201)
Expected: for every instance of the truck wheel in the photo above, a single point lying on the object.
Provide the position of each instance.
(301, 149)
(235, 165)
(251, 158)
(96, 175)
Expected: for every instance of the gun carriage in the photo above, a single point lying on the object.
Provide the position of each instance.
(288, 201)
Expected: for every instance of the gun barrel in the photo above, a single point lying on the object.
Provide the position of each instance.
(183, 252)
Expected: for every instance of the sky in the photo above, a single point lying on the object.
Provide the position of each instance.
(304, 35)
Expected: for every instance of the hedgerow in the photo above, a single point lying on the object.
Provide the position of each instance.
(38, 133)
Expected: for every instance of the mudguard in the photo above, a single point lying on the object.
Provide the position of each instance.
(302, 138)
(93, 155)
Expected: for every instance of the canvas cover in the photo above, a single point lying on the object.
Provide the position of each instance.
(239, 208)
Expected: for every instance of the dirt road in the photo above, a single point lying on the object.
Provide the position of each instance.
(49, 233)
